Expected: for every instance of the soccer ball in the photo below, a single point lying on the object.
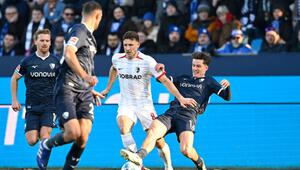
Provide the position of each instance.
(130, 166)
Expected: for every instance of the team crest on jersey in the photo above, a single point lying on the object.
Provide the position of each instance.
(65, 115)
(52, 65)
(138, 69)
(73, 40)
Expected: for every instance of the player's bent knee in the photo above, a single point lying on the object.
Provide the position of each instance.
(125, 130)
(73, 134)
(31, 140)
(186, 150)
(82, 140)
(160, 143)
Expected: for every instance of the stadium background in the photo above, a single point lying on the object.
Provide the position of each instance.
(259, 128)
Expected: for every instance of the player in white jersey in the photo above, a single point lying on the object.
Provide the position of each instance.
(134, 70)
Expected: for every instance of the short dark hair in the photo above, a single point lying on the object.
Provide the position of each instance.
(202, 56)
(90, 7)
(132, 35)
(69, 6)
(42, 31)
(113, 33)
(37, 8)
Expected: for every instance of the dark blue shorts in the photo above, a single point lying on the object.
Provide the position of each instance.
(74, 105)
(178, 120)
(35, 120)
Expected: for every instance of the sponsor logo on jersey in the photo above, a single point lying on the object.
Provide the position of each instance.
(42, 74)
(191, 85)
(52, 65)
(130, 76)
(93, 49)
(34, 66)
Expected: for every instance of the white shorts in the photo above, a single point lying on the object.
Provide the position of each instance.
(146, 114)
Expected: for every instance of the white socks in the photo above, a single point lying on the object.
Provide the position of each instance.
(165, 154)
(128, 142)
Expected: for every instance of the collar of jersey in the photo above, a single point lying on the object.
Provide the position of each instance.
(43, 58)
(87, 27)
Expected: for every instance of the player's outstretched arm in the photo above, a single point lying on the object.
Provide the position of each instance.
(226, 92)
(184, 102)
(111, 79)
(14, 89)
(73, 63)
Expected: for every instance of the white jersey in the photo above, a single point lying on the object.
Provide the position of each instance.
(135, 78)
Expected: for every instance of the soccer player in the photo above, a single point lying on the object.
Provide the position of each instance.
(135, 70)
(39, 71)
(74, 94)
(182, 120)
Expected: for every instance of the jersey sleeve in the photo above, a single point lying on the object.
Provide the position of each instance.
(217, 88)
(76, 38)
(21, 68)
(175, 80)
(152, 64)
(114, 60)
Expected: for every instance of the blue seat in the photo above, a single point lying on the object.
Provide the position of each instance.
(256, 45)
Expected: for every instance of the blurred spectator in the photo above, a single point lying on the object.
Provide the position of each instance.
(248, 21)
(66, 22)
(120, 22)
(281, 23)
(13, 24)
(53, 10)
(22, 8)
(147, 46)
(172, 16)
(285, 5)
(203, 20)
(149, 27)
(140, 7)
(162, 5)
(296, 13)
(235, 45)
(33, 3)
(262, 15)
(222, 27)
(296, 42)
(38, 21)
(273, 42)
(175, 42)
(126, 5)
(234, 6)
(9, 47)
(58, 48)
(113, 45)
(204, 43)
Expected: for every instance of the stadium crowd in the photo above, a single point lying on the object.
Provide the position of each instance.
(164, 26)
